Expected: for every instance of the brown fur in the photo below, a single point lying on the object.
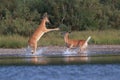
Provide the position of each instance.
(32, 42)
(82, 44)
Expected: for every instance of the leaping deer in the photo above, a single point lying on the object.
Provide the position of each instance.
(82, 44)
(32, 42)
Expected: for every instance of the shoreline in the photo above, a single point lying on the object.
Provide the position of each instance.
(59, 48)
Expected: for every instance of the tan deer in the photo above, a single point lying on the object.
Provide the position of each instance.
(82, 44)
(32, 42)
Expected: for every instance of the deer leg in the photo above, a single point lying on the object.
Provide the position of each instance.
(80, 49)
(70, 47)
(34, 48)
(48, 30)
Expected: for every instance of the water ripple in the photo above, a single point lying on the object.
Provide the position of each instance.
(68, 72)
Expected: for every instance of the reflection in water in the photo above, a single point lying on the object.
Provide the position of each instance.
(39, 60)
(75, 56)
(65, 57)
(62, 56)
(80, 58)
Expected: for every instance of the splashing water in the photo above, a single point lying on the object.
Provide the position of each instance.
(38, 52)
(28, 50)
(69, 52)
(45, 51)
(41, 50)
(75, 52)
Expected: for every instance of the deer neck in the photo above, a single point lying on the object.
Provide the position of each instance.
(66, 38)
(43, 24)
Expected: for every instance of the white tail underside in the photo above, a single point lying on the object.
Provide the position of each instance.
(85, 44)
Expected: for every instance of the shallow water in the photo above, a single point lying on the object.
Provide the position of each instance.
(44, 57)
(61, 72)
(61, 65)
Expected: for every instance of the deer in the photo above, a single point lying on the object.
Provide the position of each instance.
(70, 43)
(39, 32)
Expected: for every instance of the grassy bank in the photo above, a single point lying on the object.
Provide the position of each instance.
(12, 41)
(56, 39)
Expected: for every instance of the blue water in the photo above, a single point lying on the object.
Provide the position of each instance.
(61, 72)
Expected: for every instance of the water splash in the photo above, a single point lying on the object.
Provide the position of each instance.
(69, 52)
(44, 51)
(38, 52)
(28, 50)
(75, 52)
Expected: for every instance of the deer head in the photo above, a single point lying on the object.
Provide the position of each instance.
(45, 17)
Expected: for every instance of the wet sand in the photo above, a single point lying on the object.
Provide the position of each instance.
(48, 49)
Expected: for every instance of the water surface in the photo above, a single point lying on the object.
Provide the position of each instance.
(61, 65)
(61, 72)
(61, 58)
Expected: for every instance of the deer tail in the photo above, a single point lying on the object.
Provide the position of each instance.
(86, 41)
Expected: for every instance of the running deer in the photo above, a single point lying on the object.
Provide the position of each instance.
(82, 44)
(32, 42)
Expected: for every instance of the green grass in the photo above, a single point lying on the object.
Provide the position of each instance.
(108, 37)
(14, 41)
